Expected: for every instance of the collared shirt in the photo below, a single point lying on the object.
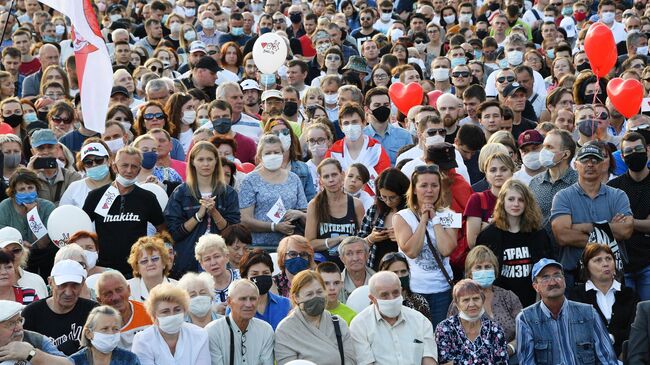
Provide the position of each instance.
(605, 300)
(277, 308)
(210, 39)
(348, 284)
(406, 342)
(393, 139)
(544, 190)
(254, 346)
(562, 343)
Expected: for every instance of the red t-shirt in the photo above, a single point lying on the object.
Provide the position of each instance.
(246, 148)
(473, 208)
(179, 166)
(460, 192)
(28, 68)
(307, 47)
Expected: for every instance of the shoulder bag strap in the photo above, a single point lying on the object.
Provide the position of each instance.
(232, 342)
(339, 338)
(436, 255)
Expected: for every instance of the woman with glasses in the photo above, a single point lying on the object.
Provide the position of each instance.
(95, 161)
(400, 51)
(398, 263)
(534, 60)
(600, 277)
(332, 66)
(61, 117)
(295, 254)
(380, 76)
(309, 332)
(181, 110)
(377, 225)
(151, 116)
(212, 254)
(425, 241)
(319, 139)
(292, 153)
(13, 245)
(54, 73)
(155, 65)
(203, 204)
(559, 97)
(8, 288)
(150, 263)
(333, 214)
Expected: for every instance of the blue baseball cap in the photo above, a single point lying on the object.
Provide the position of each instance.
(43, 136)
(541, 264)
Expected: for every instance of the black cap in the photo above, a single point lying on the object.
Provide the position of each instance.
(510, 89)
(36, 125)
(209, 63)
(114, 7)
(442, 154)
(120, 90)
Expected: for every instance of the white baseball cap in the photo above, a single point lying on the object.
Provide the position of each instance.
(271, 94)
(68, 271)
(95, 149)
(9, 308)
(9, 235)
(250, 84)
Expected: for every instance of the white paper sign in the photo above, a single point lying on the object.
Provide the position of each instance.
(36, 224)
(277, 211)
(107, 201)
(450, 219)
(645, 105)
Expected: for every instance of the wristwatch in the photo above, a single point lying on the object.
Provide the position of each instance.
(31, 354)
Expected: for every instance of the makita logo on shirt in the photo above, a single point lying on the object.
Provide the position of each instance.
(122, 217)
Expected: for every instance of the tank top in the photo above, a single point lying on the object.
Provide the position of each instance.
(344, 226)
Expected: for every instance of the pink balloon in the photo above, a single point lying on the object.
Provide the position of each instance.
(433, 97)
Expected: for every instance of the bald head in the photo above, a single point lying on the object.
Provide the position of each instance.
(120, 35)
(241, 286)
(382, 283)
(446, 100)
(48, 54)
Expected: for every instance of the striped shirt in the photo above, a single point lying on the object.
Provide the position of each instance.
(562, 344)
(25, 295)
(138, 322)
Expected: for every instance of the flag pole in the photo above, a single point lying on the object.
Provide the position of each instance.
(4, 30)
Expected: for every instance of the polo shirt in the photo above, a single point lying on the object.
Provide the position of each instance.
(248, 126)
(544, 190)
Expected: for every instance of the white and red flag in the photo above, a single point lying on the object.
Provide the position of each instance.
(94, 69)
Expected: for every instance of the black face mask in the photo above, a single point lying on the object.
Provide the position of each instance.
(493, 6)
(42, 116)
(600, 98)
(263, 282)
(381, 114)
(636, 161)
(583, 66)
(481, 33)
(14, 120)
(222, 125)
(290, 108)
(587, 127)
(639, 6)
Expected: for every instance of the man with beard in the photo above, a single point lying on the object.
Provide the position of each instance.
(252, 92)
(449, 107)
(377, 108)
(559, 324)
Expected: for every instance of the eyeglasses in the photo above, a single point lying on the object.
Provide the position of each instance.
(366, 19)
(302, 255)
(392, 256)
(433, 31)
(503, 79)
(212, 53)
(631, 150)
(90, 162)
(555, 277)
(423, 169)
(388, 199)
(59, 120)
(284, 132)
(153, 259)
(602, 116)
(381, 77)
(278, 21)
(439, 131)
(11, 325)
(320, 140)
(590, 161)
(152, 116)
(461, 74)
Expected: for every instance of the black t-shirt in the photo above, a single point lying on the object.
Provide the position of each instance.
(64, 329)
(517, 253)
(523, 126)
(637, 247)
(360, 37)
(125, 222)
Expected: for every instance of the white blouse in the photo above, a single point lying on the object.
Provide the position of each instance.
(192, 347)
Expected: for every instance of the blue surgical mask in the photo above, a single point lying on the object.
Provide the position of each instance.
(49, 39)
(484, 278)
(457, 61)
(26, 198)
(265, 30)
(149, 160)
(296, 265)
(97, 173)
(30, 117)
(478, 54)
(237, 31)
(267, 79)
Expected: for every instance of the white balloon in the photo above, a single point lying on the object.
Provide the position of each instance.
(160, 193)
(269, 52)
(276, 267)
(358, 299)
(64, 221)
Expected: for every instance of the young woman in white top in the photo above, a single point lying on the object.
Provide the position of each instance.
(95, 162)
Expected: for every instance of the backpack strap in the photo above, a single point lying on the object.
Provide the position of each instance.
(339, 338)
(232, 342)
(484, 204)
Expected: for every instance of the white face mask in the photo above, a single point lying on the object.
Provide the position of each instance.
(124, 181)
(440, 74)
(546, 158)
(431, 140)
(175, 27)
(272, 162)
(59, 30)
(200, 305)
(531, 160)
(449, 19)
(189, 116)
(318, 150)
(115, 144)
(285, 139)
(190, 35)
(515, 58)
(390, 308)
(395, 34)
(466, 317)
(352, 131)
(207, 23)
(549, 19)
(608, 17)
(171, 324)
(642, 50)
(104, 342)
(115, 17)
(331, 99)
(385, 17)
(465, 18)
(91, 258)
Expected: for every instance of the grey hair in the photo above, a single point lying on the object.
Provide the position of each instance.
(107, 275)
(357, 95)
(4, 138)
(265, 140)
(349, 241)
(515, 39)
(92, 320)
(235, 285)
(192, 277)
(156, 85)
(381, 276)
(221, 89)
(71, 252)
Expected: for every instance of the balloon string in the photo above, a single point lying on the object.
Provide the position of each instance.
(593, 122)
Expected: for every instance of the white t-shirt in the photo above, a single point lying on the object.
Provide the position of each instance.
(415, 153)
(522, 176)
(620, 35)
(76, 194)
(186, 139)
(249, 127)
(383, 27)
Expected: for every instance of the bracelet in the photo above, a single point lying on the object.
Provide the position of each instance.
(196, 216)
(512, 348)
(326, 243)
(272, 227)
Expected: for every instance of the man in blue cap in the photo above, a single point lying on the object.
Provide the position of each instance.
(556, 330)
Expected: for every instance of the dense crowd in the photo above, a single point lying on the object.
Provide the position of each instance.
(420, 182)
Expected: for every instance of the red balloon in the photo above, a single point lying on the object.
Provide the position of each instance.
(626, 95)
(245, 167)
(406, 96)
(433, 97)
(600, 49)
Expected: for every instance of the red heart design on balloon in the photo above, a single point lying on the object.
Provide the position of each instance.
(433, 97)
(626, 95)
(600, 49)
(406, 96)
(264, 44)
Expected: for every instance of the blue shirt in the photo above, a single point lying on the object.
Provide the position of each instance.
(277, 308)
(393, 139)
(621, 166)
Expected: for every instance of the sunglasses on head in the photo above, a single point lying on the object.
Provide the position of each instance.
(151, 116)
(212, 53)
(460, 74)
(97, 161)
(640, 127)
(503, 79)
(393, 256)
(427, 169)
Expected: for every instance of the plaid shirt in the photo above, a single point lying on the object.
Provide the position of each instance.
(369, 222)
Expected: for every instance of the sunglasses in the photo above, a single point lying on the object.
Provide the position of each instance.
(366, 19)
(90, 162)
(461, 74)
(333, 57)
(439, 131)
(278, 21)
(602, 116)
(640, 127)
(58, 120)
(212, 53)
(294, 254)
(503, 79)
(631, 150)
(284, 132)
(152, 116)
(393, 256)
(427, 169)
(155, 69)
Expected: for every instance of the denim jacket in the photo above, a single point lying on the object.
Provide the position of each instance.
(302, 170)
(118, 357)
(577, 336)
(181, 207)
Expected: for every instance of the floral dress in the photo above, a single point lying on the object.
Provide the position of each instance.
(489, 347)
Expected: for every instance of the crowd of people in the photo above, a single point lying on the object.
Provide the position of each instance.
(302, 216)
